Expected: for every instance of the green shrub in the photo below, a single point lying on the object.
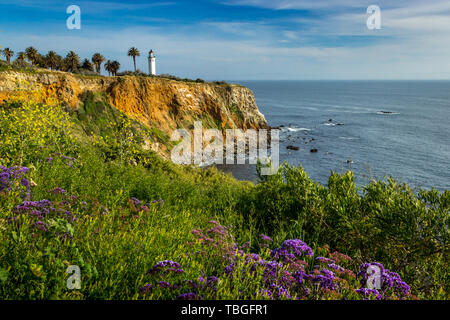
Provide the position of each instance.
(135, 209)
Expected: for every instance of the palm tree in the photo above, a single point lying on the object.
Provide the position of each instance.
(8, 53)
(87, 65)
(21, 56)
(115, 66)
(60, 63)
(108, 66)
(134, 52)
(98, 59)
(32, 55)
(51, 60)
(73, 61)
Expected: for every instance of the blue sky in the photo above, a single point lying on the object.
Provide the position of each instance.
(245, 39)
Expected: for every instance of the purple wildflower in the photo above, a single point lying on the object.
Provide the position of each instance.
(163, 264)
(9, 175)
(41, 226)
(136, 201)
(265, 238)
(160, 202)
(174, 270)
(24, 182)
(187, 296)
(369, 292)
(191, 283)
(335, 267)
(164, 284)
(57, 191)
(146, 289)
(325, 260)
(229, 269)
(292, 249)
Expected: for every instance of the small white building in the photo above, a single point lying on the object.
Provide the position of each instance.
(152, 63)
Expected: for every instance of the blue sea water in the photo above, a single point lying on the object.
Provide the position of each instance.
(375, 128)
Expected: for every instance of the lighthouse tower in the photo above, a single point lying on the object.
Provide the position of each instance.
(151, 63)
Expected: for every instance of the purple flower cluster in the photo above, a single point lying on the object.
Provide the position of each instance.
(187, 296)
(138, 205)
(164, 264)
(367, 293)
(136, 201)
(41, 211)
(160, 202)
(165, 267)
(173, 270)
(41, 226)
(335, 267)
(265, 238)
(324, 280)
(290, 250)
(284, 274)
(146, 288)
(36, 209)
(57, 191)
(164, 284)
(9, 175)
(218, 230)
(324, 260)
(70, 160)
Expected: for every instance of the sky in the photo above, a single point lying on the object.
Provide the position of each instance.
(245, 39)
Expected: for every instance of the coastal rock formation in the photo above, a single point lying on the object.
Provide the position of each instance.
(156, 102)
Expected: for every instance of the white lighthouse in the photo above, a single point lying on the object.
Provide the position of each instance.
(151, 63)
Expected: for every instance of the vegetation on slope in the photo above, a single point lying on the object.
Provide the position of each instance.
(79, 189)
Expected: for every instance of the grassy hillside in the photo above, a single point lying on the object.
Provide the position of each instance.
(78, 188)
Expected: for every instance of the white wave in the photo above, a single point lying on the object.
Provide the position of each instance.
(349, 138)
(298, 129)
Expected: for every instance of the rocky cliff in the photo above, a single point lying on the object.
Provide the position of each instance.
(156, 102)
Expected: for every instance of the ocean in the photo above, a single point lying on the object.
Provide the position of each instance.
(375, 128)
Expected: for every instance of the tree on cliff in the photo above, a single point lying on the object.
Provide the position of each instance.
(51, 60)
(108, 67)
(21, 56)
(134, 52)
(8, 53)
(115, 66)
(98, 59)
(72, 61)
(32, 55)
(87, 65)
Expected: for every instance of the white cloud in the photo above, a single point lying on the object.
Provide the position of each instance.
(418, 5)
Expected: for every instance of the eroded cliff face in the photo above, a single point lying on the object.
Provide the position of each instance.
(156, 102)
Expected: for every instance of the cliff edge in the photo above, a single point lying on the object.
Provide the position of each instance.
(155, 102)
